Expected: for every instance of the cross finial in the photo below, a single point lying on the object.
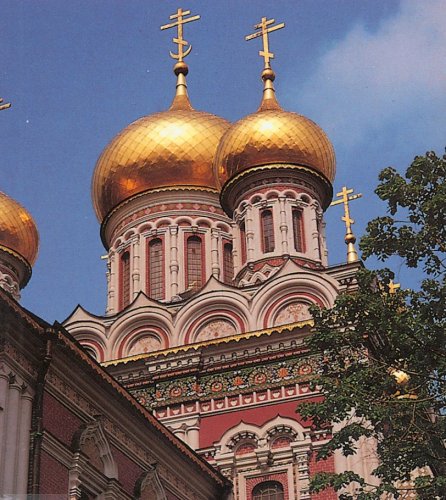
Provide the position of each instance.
(265, 27)
(345, 196)
(6, 105)
(179, 40)
(393, 287)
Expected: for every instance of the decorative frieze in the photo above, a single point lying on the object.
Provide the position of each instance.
(276, 377)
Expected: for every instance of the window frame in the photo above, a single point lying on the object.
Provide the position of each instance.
(149, 272)
(268, 240)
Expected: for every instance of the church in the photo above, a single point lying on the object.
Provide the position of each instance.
(189, 386)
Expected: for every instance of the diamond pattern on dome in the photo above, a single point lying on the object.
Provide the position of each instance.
(18, 231)
(166, 149)
(274, 136)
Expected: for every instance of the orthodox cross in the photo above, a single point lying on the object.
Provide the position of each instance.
(393, 287)
(180, 20)
(4, 106)
(265, 27)
(345, 196)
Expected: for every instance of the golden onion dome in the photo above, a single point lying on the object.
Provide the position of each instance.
(18, 231)
(273, 136)
(173, 148)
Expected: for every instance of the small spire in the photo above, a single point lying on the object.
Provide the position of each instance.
(269, 100)
(350, 238)
(181, 99)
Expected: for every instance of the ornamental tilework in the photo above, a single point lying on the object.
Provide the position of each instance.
(227, 383)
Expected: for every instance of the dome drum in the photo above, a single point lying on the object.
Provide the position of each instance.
(19, 240)
(15, 272)
(249, 181)
(159, 203)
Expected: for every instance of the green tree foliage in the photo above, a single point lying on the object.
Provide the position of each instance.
(383, 372)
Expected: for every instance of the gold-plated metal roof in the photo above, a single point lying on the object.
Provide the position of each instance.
(18, 231)
(170, 148)
(167, 149)
(274, 136)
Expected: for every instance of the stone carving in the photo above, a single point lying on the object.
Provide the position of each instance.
(215, 329)
(145, 344)
(10, 285)
(292, 313)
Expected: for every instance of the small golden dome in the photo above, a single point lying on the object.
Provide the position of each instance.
(18, 231)
(272, 135)
(167, 149)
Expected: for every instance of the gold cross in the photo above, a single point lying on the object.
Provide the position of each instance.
(345, 198)
(180, 20)
(263, 26)
(393, 287)
(4, 106)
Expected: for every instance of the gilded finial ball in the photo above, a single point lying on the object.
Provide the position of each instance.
(268, 74)
(350, 238)
(181, 68)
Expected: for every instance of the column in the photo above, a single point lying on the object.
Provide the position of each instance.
(112, 283)
(249, 226)
(283, 226)
(4, 390)
(235, 245)
(300, 452)
(11, 441)
(136, 273)
(193, 436)
(24, 438)
(313, 233)
(215, 233)
(173, 261)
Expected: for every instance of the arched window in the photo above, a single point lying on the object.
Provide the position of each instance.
(243, 242)
(195, 263)
(156, 267)
(125, 279)
(268, 490)
(228, 263)
(267, 225)
(298, 233)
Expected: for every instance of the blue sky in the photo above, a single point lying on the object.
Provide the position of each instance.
(372, 73)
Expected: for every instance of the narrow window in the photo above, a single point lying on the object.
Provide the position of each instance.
(228, 263)
(298, 230)
(125, 279)
(156, 264)
(266, 218)
(243, 241)
(268, 490)
(194, 263)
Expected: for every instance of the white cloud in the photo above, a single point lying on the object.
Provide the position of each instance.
(391, 79)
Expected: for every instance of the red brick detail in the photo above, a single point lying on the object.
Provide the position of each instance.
(214, 426)
(281, 442)
(53, 476)
(322, 466)
(54, 415)
(128, 471)
(244, 449)
(281, 478)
